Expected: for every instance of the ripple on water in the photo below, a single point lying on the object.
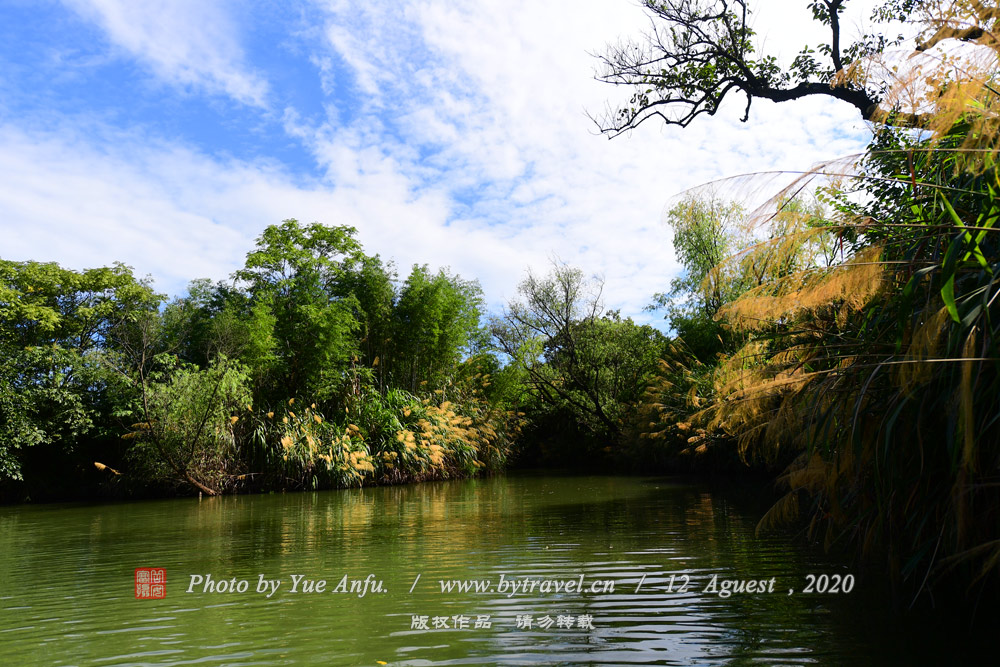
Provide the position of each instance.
(66, 576)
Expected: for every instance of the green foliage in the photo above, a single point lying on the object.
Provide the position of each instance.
(502, 386)
(387, 437)
(54, 328)
(439, 439)
(318, 453)
(44, 303)
(706, 231)
(91, 356)
(661, 433)
(436, 317)
(578, 362)
(608, 358)
(704, 336)
(187, 434)
(725, 254)
(291, 253)
(372, 284)
(219, 320)
(293, 282)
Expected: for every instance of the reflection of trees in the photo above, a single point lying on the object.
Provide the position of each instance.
(686, 530)
(523, 527)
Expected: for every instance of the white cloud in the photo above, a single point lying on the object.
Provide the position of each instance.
(177, 214)
(496, 93)
(184, 42)
(470, 148)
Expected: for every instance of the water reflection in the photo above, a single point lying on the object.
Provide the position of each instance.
(66, 575)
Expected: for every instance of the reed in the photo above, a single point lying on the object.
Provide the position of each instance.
(870, 368)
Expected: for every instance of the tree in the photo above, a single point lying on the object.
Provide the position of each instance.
(578, 360)
(700, 51)
(186, 434)
(725, 252)
(215, 320)
(436, 318)
(372, 284)
(55, 339)
(296, 272)
(706, 230)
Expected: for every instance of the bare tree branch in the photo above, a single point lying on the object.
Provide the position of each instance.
(698, 52)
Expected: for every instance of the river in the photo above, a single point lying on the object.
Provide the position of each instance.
(573, 570)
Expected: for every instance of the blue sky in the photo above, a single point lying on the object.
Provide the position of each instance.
(168, 133)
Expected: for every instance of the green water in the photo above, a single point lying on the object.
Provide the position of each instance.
(67, 594)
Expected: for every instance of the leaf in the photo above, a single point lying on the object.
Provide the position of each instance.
(948, 296)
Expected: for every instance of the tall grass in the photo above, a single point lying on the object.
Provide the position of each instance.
(871, 371)
(384, 437)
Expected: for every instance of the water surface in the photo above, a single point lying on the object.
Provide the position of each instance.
(67, 572)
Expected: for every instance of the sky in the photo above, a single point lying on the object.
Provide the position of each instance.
(167, 134)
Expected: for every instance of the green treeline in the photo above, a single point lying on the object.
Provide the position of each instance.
(315, 367)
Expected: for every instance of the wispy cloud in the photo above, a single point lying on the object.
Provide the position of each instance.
(176, 213)
(184, 42)
(486, 104)
(454, 134)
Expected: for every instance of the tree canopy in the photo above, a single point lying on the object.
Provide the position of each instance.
(578, 360)
(55, 325)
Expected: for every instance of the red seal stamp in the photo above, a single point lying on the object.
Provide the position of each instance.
(150, 583)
